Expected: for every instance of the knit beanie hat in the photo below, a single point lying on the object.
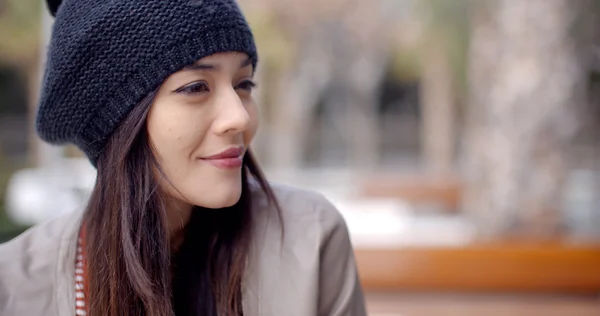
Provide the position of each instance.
(105, 56)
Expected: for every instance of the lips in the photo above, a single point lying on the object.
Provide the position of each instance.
(228, 159)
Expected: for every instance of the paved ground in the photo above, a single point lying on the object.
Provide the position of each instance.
(481, 304)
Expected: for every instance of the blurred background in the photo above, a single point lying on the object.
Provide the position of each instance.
(460, 139)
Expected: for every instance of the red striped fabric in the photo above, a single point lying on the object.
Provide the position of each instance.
(80, 275)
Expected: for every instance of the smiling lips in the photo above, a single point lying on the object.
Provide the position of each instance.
(229, 159)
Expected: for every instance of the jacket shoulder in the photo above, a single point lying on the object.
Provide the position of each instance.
(313, 257)
(301, 206)
(28, 266)
(306, 219)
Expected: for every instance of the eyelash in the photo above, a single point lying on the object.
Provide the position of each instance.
(247, 85)
(192, 88)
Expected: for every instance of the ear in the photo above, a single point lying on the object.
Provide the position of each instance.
(53, 6)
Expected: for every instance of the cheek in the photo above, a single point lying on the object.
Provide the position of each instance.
(173, 133)
(163, 134)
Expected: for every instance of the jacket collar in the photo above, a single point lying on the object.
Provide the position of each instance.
(65, 267)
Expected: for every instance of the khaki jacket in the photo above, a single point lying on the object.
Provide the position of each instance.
(311, 271)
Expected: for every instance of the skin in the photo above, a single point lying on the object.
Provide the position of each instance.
(200, 111)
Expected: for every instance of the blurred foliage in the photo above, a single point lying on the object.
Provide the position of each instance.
(19, 48)
(13, 90)
(8, 229)
(20, 37)
(276, 53)
(276, 50)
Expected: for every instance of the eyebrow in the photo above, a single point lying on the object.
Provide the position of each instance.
(213, 67)
(246, 63)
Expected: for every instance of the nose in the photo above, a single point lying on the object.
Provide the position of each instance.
(232, 115)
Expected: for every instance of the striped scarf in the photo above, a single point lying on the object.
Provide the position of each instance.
(80, 275)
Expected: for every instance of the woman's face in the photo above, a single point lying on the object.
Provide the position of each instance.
(200, 125)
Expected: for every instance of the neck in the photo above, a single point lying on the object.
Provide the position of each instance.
(178, 216)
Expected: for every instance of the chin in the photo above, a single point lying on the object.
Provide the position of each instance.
(219, 199)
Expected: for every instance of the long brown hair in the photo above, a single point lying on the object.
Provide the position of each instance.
(131, 270)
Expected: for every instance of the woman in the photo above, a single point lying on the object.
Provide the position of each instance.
(180, 221)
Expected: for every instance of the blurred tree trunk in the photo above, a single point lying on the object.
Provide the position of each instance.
(445, 32)
(528, 77)
(437, 128)
(296, 97)
(342, 44)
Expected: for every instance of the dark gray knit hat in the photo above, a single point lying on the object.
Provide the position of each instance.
(106, 56)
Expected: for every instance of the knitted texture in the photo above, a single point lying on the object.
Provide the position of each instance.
(105, 56)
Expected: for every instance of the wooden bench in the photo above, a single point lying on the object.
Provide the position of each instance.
(477, 268)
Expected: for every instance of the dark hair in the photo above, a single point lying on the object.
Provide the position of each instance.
(131, 270)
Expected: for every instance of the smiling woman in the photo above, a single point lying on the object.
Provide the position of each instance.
(181, 221)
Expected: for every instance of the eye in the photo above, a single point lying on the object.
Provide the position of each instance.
(247, 85)
(194, 88)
